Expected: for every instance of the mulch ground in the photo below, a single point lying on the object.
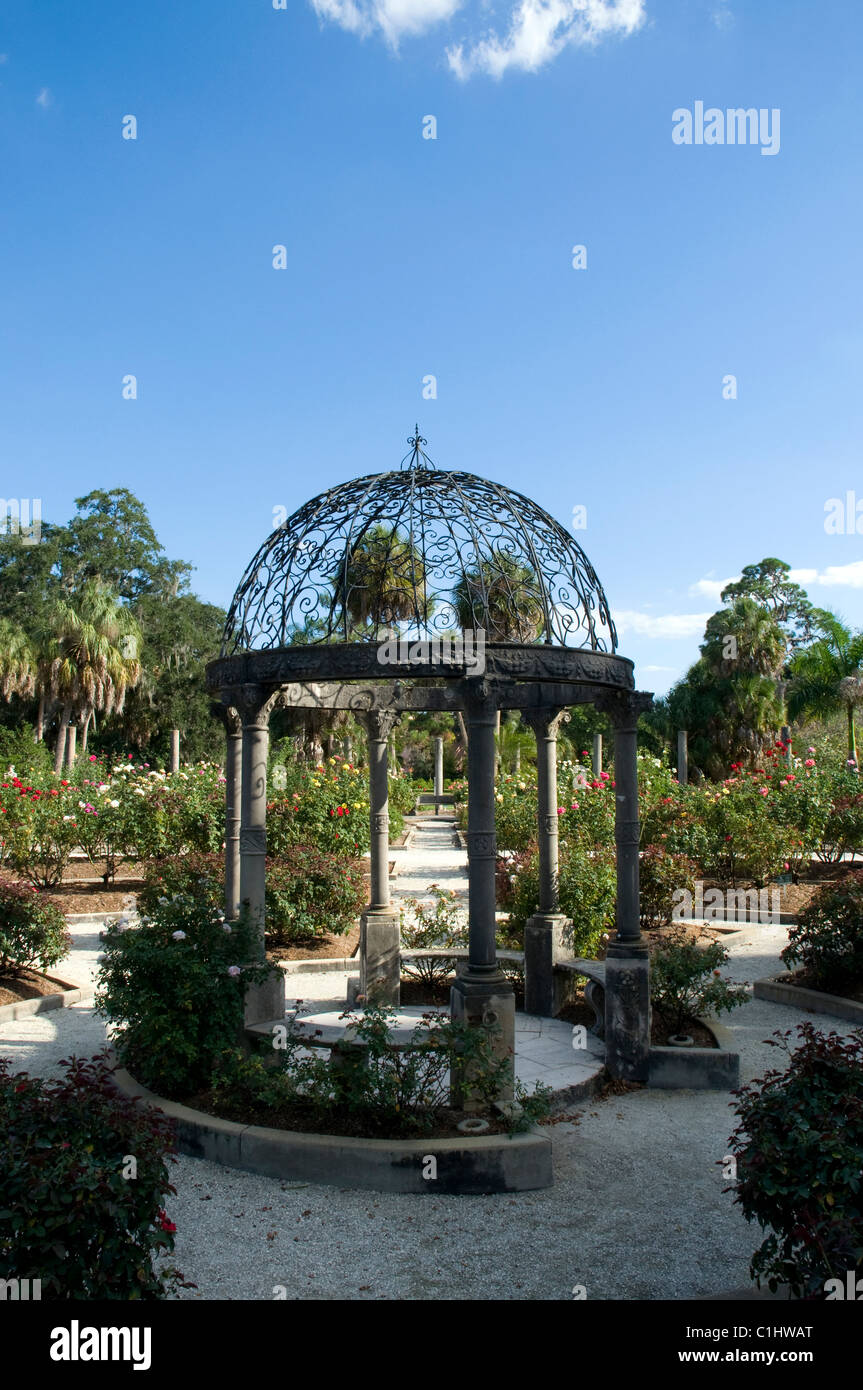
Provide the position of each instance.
(333, 1120)
(83, 888)
(319, 948)
(27, 985)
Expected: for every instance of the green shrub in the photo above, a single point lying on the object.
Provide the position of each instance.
(309, 893)
(32, 761)
(827, 940)
(587, 888)
(661, 874)
(799, 1148)
(515, 814)
(33, 933)
(71, 1214)
(438, 925)
(744, 836)
(685, 981)
(173, 991)
(39, 831)
(201, 876)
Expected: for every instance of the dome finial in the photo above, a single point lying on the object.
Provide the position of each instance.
(417, 457)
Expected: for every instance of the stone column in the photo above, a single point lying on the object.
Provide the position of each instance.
(627, 984)
(175, 750)
(682, 757)
(597, 755)
(543, 933)
(482, 996)
(438, 773)
(380, 959)
(265, 1001)
(233, 812)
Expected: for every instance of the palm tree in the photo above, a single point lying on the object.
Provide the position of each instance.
(501, 597)
(95, 659)
(17, 661)
(380, 581)
(732, 699)
(828, 676)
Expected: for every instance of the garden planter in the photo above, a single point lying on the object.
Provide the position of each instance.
(472, 1164)
(696, 1068)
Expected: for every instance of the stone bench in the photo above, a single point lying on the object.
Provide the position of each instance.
(594, 991)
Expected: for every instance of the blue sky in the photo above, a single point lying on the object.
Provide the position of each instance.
(409, 257)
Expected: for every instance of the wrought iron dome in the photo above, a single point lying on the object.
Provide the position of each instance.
(420, 553)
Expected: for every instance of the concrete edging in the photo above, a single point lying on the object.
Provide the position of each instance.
(813, 1001)
(475, 1167)
(44, 1003)
(696, 1068)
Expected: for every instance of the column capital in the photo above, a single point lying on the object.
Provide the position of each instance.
(623, 707)
(481, 698)
(545, 722)
(378, 723)
(254, 705)
(228, 716)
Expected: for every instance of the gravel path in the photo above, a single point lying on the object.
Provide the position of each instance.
(637, 1210)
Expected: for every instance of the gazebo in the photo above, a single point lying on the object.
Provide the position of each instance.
(421, 589)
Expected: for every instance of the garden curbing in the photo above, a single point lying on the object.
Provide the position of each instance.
(778, 991)
(26, 1008)
(469, 1167)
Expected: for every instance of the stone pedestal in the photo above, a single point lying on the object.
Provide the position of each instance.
(380, 961)
(265, 1002)
(627, 1013)
(543, 947)
(488, 1003)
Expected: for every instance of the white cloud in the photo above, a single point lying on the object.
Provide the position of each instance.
(662, 625)
(536, 31)
(722, 16)
(394, 18)
(711, 588)
(540, 29)
(44, 98)
(849, 576)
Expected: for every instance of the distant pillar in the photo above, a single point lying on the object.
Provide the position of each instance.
(786, 739)
(70, 745)
(682, 757)
(175, 750)
(438, 773)
(597, 754)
